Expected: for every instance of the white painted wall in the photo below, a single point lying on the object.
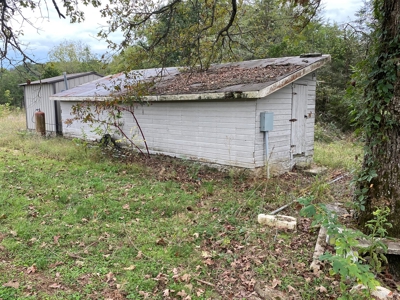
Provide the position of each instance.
(280, 103)
(215, 132)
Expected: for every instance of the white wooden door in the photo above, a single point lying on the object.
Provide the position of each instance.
(299, 118)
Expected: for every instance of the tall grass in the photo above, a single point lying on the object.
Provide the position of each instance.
(15, 136)
(336, 150)
(340, 154)
(10, 123)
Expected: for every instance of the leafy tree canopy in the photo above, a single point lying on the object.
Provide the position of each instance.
(196, 32)
(74, 57)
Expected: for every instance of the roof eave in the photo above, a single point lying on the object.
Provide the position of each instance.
(287, 79)
(69, 76)
(79, 99)
(160, 98)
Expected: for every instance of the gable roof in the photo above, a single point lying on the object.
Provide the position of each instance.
(61, 78)
(248, 79)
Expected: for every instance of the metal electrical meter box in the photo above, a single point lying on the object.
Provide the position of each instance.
(266, 121)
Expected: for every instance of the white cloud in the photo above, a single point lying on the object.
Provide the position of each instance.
(49, 30)
(341, 11)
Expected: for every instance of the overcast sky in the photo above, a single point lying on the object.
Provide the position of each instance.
(54, 30)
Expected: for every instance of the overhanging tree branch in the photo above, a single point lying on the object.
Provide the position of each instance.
(58, 10)
(225, 30)
(195, 30)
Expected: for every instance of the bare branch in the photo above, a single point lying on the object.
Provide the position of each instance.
(224, 31)
(60, 15)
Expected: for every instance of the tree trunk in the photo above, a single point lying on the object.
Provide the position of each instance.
(382, 156)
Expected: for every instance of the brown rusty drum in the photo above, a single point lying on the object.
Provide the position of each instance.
(40, 122)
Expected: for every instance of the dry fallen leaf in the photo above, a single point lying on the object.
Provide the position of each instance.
(199, 292)
(276, 282)
(130, 268)
(185, 277)
(144, 294)
(79, 263)
(55, 286)
(291, 289)
(317, 272)
(257, 261)
(33, 240)
(12, 284)
(109, 277)
(205, 254)
(161, 242)
(139, 255)
(182, 293)
(321, 289)
(32, 269)
(125, 206)
(56, 238)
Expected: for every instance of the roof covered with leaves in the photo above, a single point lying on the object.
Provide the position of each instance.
(248, 79)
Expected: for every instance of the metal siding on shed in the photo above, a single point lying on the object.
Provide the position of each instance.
(37, 97)
(73, 82)
(60, 86)
(215, 132)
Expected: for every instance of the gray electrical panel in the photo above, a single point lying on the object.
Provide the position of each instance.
(266, 121)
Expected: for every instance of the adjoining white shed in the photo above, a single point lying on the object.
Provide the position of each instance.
(37, 93)
(214, 116)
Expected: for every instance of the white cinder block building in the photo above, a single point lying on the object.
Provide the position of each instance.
(214, 116)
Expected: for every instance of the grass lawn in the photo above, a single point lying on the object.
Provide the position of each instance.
(79, 224)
